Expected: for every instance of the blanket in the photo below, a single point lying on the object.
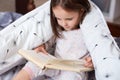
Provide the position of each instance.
(7, 18)
(27, 32)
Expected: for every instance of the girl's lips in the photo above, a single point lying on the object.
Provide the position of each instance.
(66, 27)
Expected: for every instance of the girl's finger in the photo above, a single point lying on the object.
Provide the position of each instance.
(88, 59)
(44, 51)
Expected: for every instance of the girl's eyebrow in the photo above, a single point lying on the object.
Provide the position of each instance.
(57, 18)
(65, 18)
(69, 18)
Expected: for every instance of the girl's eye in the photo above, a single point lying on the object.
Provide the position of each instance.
(65, 19)
(58, 18)
(69, 18)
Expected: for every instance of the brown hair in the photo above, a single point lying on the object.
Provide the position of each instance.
(74, 5)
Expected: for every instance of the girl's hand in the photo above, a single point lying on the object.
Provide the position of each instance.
(41, 48)
(88, 62)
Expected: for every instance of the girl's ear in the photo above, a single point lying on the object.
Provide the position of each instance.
(82, 10)
(82, 13)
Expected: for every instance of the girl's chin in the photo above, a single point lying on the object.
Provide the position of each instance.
(67, 29)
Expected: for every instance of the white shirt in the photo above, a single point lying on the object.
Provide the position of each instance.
(71, 45)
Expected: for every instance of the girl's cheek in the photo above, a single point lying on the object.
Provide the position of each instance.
(60, 23)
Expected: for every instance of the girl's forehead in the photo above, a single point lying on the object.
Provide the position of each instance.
(59, 9)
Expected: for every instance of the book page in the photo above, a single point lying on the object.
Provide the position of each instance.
(40, 59)
(43, 60)
(70, 65)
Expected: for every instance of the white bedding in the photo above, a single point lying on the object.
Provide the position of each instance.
(27, 32)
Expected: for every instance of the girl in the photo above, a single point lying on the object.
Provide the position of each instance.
(66, 15)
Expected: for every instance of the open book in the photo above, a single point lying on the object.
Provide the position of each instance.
(48, 61)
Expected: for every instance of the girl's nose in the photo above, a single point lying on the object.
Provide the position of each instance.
(64, 23)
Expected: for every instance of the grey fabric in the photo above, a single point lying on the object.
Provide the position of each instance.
(8, 17)
(91, 75)
(9, 74)
(117, 39)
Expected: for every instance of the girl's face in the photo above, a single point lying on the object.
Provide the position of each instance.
(68, 20)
